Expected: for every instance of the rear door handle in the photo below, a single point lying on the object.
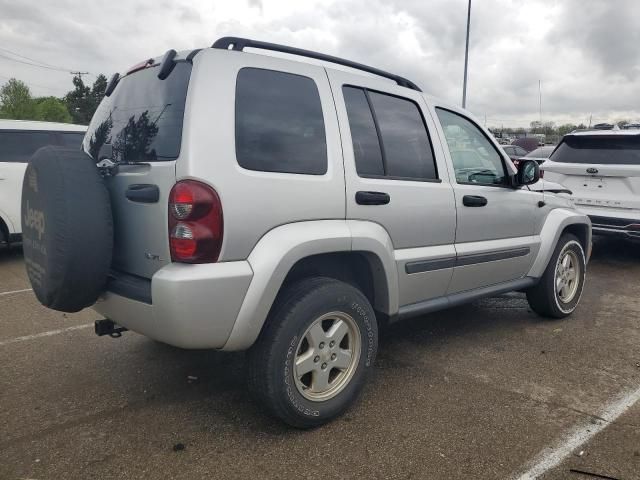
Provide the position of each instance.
(143, 193)
(372, 198)
(474, 201)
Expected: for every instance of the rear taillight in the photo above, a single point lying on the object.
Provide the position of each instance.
(195, 223)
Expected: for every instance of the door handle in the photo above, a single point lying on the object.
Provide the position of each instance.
(474, 201)
(143, 193)
(372, 198)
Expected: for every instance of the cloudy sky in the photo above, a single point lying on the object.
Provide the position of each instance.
(585, 52)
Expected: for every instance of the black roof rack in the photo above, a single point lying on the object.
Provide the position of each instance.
(236, 43)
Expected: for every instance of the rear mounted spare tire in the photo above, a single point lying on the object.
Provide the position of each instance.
(67, 228)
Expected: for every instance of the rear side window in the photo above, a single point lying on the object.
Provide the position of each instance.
(279, 123)
(389, 136)
(599, 149)
(17, 147)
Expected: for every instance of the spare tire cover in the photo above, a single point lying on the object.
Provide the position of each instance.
(67, 228)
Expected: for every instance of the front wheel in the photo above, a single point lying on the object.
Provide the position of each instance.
(560, 288)
(315, 352)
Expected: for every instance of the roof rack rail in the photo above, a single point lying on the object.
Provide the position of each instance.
(237, 43)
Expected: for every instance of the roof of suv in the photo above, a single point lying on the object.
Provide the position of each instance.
(35, 125)
(605, 133)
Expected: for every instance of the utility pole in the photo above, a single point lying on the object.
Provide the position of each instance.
(79, 74)
(466, 59)
(540, 99)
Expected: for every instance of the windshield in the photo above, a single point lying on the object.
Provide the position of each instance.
(599, 149)
(142, 119)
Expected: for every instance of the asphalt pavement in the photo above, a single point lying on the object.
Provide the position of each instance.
(484, 391)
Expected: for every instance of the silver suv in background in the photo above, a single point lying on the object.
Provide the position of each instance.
(235, 200)
(602, 169)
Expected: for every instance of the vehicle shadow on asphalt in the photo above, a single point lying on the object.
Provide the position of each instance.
(615, 250)
(10, 253)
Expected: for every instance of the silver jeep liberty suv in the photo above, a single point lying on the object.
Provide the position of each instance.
(290, 206)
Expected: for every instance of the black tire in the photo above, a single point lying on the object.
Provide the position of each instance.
(543, 297)
(271, 359)
(67, 228)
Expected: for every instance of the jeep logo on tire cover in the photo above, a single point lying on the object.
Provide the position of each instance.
(592, 170)
(34, 219)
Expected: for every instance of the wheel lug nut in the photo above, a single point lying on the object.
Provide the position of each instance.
(321, 345)
(332, 343)
(316, 359)
(333, 356)
(324, 366)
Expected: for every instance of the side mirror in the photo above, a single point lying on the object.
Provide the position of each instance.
(528, 172)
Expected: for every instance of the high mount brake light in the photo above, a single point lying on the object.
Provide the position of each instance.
(195, 223)
(140, 66)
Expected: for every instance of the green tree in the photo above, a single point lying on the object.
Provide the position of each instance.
(83, 100)
(52, 109)
(536, 126)
(16, 101)
(566, 128)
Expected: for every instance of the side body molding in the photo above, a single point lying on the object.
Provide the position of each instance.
(557, 220)
(278, 251)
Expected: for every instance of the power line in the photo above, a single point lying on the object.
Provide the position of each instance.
(79, 74)
(33, 64)
(30, 59)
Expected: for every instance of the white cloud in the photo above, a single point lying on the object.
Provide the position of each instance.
(585, 52)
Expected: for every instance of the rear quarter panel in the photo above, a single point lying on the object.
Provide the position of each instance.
(253, 202)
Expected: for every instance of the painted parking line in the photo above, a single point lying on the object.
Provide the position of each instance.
(551, 457)
(50, 333)
(16, 291)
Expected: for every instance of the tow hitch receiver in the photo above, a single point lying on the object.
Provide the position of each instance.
(107, 327)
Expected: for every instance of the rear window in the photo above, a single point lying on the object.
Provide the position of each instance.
(599, 149)
(17, 147)
(142, 119)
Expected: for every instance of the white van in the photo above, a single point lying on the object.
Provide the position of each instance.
(19, 139)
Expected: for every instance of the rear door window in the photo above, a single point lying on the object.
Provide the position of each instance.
(408, 152)
(599, 149)
(18, 147)
(389, 136)
(279, 123)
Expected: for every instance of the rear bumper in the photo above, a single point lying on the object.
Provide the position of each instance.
(619, 232)
(616, 222)
(190, 306)
(616, 227)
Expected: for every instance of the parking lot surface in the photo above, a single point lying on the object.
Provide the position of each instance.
(486, 391)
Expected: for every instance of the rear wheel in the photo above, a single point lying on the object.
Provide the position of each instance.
(558, 293)
(315, 352)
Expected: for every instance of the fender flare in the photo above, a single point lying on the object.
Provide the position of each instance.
(555, 223)
(278, 251)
